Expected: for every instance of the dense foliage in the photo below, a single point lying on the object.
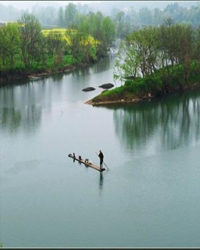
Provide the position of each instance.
(159, 60)
(126, 17)
(150, 48)
(26, 48)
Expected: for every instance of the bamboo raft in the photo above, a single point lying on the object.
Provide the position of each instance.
(86, 162)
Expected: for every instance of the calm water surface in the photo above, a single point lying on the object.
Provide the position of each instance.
(149, 197)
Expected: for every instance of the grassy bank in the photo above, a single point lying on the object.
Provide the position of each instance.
(67, 64)
(44, 52)
(162, 82)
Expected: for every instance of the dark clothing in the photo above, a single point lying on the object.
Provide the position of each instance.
(101, 159)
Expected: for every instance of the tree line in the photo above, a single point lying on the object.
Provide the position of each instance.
(125, 16)
(25, 48)
(125, 20)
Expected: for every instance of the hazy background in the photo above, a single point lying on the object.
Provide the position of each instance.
(11, 10)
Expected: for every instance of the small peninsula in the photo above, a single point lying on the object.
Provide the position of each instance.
(155, 62)
(156, 85)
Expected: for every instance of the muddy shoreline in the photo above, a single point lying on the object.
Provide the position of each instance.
(108, 102)
(9, 78)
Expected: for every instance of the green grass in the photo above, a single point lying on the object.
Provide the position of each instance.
(117, 90)
(171, 78)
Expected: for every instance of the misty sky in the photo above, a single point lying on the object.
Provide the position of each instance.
(21, 4)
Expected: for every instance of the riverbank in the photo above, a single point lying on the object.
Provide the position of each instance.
(125, 97)
(7, 78)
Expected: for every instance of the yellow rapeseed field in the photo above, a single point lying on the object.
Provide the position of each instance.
(62, 32)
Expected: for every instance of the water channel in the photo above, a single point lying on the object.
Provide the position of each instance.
(149, 196)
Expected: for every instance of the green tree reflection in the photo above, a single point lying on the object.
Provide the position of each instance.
(12, 119)
(167, 123)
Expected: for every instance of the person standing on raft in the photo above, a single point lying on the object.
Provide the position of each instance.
(101, 159)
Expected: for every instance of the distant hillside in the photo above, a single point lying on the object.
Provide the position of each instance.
(107, 7)
(12, 10)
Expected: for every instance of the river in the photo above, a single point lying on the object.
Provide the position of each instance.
(147, 197)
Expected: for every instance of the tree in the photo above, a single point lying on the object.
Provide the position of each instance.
(108, 32)
(70, 15)
(74, 43)
(126, 64)
(55, 46)
(61, 17)
(138, 54)
(102, 29)
(10, 45)
(169, 49)
(119, 24)
(32, 40)
(176, 46)
(94, 22)
(185, 52)
(13, 43)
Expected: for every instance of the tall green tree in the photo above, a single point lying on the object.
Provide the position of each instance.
(61, 21)
(186, 43)
(171, 49)
(102, 29)
(70, 15)
(176, 46)
(10, 46)
(94, 22)
(79, 45)
(138, 54)
(55, 46)
(119, 23)
(196, 53)
(13, 43)
(108, 32)
(32, 40)
(74, 43)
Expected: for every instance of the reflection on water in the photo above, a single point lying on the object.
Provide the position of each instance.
(101, 180)
(12, 119)
(22, 105)
(161, 124)
(140, 202)
(56, 77)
